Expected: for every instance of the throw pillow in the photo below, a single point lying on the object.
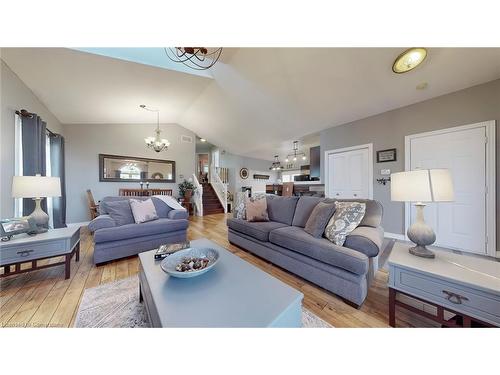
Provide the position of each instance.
(318, 219)
(346, 218)
(120, 212)
(256, 208)
(143, 210)
(239, 206)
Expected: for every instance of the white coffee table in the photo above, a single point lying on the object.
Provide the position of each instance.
(463, 284)
(232, 294)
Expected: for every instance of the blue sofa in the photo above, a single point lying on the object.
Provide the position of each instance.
(114, 241)
(344, 270)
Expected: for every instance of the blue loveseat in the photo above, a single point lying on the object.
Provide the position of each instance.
(114, 241)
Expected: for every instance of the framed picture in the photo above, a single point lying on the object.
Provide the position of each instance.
(11, 227)
(386, 155)
(244, 173)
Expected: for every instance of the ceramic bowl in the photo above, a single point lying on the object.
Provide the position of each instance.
(169, 263)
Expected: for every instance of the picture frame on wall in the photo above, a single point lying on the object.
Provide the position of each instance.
(384, 156)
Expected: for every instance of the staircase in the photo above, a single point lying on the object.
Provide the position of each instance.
(211, 204)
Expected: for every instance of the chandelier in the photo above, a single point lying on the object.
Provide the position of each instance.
(276, 166)
(156, 143)
(199, 58)
(295, 153)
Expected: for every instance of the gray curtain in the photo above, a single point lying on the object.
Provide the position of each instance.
(57, 170)
(33, 140)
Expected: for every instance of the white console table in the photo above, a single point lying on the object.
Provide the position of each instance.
(30, 249)
(465, 285)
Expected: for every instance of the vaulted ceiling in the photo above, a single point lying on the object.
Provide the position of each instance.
(258, 99)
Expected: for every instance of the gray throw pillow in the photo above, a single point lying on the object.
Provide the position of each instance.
(347, 217)
(318, 219)
(120, 212)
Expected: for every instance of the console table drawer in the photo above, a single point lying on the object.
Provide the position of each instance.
(473, 302)
(27, 252)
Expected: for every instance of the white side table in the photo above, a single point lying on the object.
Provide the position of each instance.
(466, 285)
(30, 249)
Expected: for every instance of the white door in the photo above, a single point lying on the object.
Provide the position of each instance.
(460, 224)
(348, 173)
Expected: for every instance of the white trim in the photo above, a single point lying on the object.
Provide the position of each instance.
(81, 224)
(369, 146)
(490, 176)
(395, 236)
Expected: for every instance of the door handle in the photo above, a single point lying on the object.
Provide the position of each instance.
(454, 297)
(25, 253)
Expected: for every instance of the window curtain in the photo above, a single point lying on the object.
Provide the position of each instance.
(34, 131)
(57, 170)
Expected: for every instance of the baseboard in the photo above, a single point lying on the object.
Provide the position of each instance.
(81, 224)
(395, 236)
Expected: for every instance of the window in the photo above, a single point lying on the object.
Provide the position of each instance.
(130, 171)
(289, 176)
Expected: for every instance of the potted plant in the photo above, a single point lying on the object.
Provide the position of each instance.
(186, 189)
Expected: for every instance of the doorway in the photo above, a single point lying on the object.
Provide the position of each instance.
(202, 167)
(467, 223)
(349, 172)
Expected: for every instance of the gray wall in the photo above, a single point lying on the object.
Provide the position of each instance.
(387, 130)
(236, 162)
(15, 95)
(84, 142)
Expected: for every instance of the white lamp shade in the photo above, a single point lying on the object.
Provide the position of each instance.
(36, 187)
(422, 185)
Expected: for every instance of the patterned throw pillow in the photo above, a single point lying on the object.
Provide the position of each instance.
(346, 218)
(239, 211)
(143, 210)
(256, 208)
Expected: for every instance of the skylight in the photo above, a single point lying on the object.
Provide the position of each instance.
(147, 56)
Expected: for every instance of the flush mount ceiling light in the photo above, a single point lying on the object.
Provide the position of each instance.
(156, 143)
(295, 153)
(198, 58)
(276, 166)
(409, 60)
(203, 140)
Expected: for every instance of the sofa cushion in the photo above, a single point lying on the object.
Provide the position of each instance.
(162, 209)
(140, 230)
(305, 206)
(368, 240)
(298, 240)
(257, 230)
(346, 218)
(143, 210)
(281, 209)
(120, 212)
(320, 216)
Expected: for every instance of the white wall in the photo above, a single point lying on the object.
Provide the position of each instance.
(84, 143)
(15, 95)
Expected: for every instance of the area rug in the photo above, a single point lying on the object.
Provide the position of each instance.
(116, 305)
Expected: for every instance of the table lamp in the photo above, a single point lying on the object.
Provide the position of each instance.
(419, 186)
(37, 187)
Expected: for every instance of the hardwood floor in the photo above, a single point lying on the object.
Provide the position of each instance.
(45, 299)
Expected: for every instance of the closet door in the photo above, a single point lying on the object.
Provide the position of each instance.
(348, 174)
(460, 224)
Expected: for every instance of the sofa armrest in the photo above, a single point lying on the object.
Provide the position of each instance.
(100, 222)
(178, 214)
(367, 240)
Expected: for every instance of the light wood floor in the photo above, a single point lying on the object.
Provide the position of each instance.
(45, 299)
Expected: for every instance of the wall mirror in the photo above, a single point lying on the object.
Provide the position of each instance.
(114, 168)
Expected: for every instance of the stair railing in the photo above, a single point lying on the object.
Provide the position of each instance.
(197, 197)
(219, 186)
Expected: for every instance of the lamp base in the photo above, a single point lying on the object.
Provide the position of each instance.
(40, 218)
(422, 251)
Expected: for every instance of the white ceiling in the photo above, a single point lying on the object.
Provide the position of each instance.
(259, 100)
